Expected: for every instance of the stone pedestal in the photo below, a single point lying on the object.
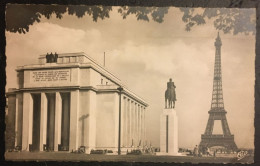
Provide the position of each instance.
(169, 132)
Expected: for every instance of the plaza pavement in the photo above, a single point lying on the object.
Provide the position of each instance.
(65, 156)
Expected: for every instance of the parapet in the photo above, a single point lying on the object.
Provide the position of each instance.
(64, 58)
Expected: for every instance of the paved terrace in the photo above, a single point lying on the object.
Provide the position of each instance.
(65, 156)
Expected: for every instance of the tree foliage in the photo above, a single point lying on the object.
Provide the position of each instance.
(227, 20)
(143, 13)
(20, 17)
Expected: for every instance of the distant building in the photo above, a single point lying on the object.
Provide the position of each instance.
(68, 101)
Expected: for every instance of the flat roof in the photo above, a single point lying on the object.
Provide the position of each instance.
(93, 64)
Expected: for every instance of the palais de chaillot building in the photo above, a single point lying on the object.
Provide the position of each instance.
(68, 101)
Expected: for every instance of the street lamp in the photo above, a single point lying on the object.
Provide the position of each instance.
(119, 125)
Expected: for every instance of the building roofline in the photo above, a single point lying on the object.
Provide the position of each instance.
(94, 65)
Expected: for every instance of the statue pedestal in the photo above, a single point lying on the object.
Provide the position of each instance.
(169, 132)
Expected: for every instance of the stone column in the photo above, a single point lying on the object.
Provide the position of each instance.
(65, 120)
(116, 117)
(51, 120)
(91, 136)
(58, 112)
(74, 111)
(126, 122)
(19, 119)
(43, 122)
(132, 122)
(141, 124)
(136, 124)
(122, 121)
(16, 122)
(144, 125)
(129, 122)
(27, 121)
(10, 121)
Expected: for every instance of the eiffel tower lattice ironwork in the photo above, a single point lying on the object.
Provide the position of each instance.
(217, 111)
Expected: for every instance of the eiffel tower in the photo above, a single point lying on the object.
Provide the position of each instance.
(217, 111)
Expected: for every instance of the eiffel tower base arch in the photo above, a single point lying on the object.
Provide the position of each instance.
(227, 141)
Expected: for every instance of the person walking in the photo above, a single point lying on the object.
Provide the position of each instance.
(196, 151)
(208, 152)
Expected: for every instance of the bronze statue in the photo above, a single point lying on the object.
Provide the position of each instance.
(55, 57)
(170, 95)
(50, 58)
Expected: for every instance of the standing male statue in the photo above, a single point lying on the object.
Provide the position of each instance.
(170, 95)
(47, 58)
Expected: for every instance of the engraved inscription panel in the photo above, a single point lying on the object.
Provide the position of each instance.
(50, 76)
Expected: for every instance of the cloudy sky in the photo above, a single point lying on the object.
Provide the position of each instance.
(144, 55)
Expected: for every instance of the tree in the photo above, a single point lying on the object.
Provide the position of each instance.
(227, 20)
(233, 20)
(20, 17)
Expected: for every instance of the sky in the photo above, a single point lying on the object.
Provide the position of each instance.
(144, 55)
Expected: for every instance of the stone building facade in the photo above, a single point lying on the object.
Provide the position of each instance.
(69, 101)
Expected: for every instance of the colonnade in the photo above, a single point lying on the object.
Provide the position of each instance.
(133, 123)
(47, 121)
(50, 122)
